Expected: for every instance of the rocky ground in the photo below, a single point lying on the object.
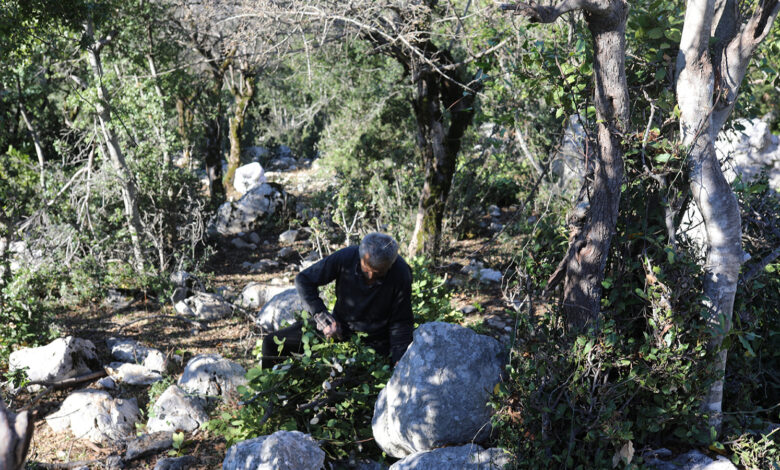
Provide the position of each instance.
(155, 323)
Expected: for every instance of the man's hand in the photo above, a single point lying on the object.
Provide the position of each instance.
(328, 325)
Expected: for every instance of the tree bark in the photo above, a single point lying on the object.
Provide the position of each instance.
(103, 107)
(438, 142)
(184, 123)
(36, 142)
(707, 88)
(16, 432)
(242, 95)
(583, 266)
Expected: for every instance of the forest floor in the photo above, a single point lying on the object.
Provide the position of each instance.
(153, 322)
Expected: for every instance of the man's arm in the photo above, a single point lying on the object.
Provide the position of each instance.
(401, 319)
(308, 281)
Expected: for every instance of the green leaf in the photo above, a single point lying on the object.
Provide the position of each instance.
(663, 158)
(655, 33)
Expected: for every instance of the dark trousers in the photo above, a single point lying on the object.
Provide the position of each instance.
(293, 343)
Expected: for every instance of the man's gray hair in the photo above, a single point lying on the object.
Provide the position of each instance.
(381, 249)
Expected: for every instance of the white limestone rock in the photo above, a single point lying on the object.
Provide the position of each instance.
(465, 457)
(206, 306)
(174, 411)
(132, 374)
(288, 237)
(282, 308)
(439, 391)
(95, 415)
(61, 359)
(248, 177)
(255, 294)
(212, 376)
(282, 450)
(250, 212)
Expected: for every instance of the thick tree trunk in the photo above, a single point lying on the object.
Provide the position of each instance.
(439, 143)
(213, 157)
(103, 107)
(584, 263)
(585, 266)
(704, 108)
(241, 97)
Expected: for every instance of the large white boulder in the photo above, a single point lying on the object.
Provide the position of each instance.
(175, 411)
(255, 294)
(465, 457)
(280, 309)
(439, 391)
(63, 358)
(250, 212)
(282, 450)
(248, 177)
(211, 375)
(95, 415)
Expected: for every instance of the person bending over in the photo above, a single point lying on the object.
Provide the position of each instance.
(373, 295)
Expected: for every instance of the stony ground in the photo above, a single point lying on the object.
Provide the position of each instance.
(152, 322)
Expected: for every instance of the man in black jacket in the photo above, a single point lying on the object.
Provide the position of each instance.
(373, 295)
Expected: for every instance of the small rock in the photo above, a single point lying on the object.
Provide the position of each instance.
(468, 309)
(489, 275)
(264, 265)
(282, 450)
(148, 444)
(210, 375)
(128, 350)
(117, 301)
(255, 295)
(95, 415)
(494, 211)
(183, 309)
(242, 245)
(288, 237)
(693, 460)
(185, 279)
(181, 463)
(285, 253)
(107, 383)
(114, 462)
(132, 374)
(495, 227)
(175, 411)
(254, 238)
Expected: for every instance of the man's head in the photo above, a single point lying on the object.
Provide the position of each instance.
(378, 252)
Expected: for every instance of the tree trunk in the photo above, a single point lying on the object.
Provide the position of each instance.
(36, 142)
(184, 120)
(439, 143)
(704, 108)
(585, 268)
(584, 263)
(103, 107)
(241, 97)
(213, 157)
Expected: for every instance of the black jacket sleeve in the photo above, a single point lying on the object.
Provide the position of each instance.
(308, 281)
(401, 319)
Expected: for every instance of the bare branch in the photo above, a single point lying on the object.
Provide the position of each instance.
(549, 13)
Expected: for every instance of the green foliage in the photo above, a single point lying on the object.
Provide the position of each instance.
(27, 307)
(430, 297)
(757, 451)
(328, 391)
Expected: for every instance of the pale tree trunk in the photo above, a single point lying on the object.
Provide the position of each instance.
(33, 134)
(707, 88)
(103, 107)
(583, 266)
(158, 129)
(242, 95)
(36, 142)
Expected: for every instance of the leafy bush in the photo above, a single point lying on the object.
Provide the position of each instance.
(430, 297)
(328, 391)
